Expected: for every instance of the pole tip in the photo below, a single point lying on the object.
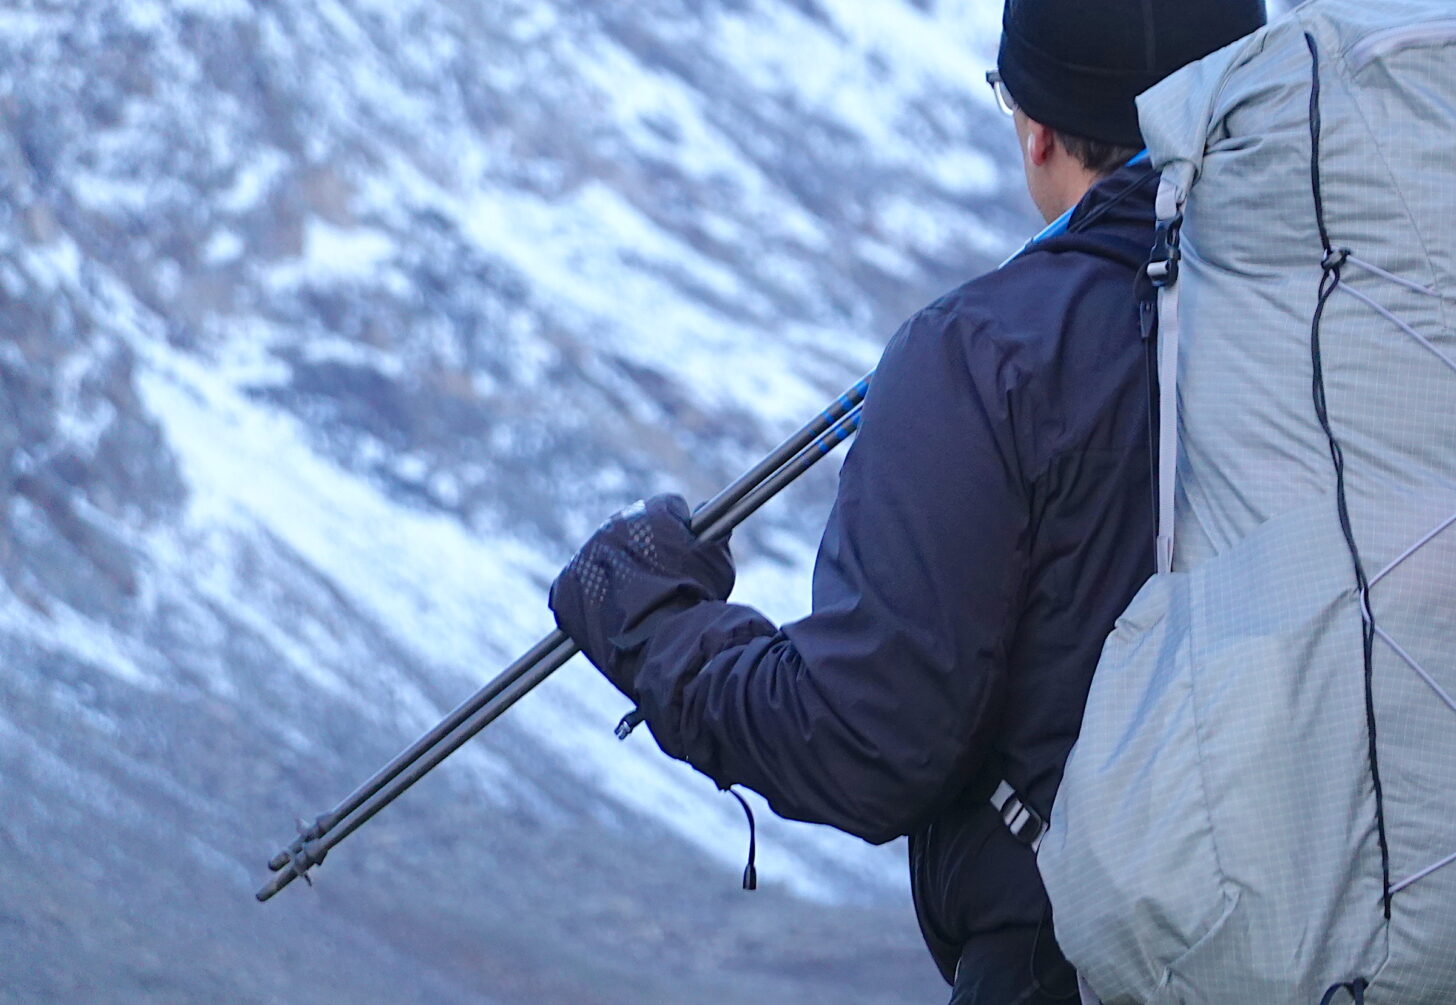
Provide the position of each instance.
(278, 882)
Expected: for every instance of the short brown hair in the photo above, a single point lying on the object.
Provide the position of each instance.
(1096, 156)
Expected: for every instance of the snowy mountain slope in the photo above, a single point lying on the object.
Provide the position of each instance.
(329, 328)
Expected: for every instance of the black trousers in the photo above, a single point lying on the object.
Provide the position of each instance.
(1019, 966)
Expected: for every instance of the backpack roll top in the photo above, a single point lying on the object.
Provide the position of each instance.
(1268, 758)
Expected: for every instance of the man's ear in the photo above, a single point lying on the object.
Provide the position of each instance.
(1041, 142)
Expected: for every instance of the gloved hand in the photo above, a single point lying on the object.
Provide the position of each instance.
(640, 567)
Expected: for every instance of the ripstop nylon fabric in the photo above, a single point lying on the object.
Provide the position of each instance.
(1215, 838)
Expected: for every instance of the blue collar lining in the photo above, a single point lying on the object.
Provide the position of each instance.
(1059, 226)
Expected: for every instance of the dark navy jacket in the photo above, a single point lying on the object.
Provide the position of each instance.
(993, 520)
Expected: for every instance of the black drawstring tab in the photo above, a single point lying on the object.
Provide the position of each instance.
(750, 874)
(629, 722)
(1355, 987)
(635, 718)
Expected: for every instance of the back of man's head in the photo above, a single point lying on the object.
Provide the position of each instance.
(1076, 66)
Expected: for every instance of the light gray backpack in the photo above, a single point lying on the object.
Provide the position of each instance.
(1262, 804)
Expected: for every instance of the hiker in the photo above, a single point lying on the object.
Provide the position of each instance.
(993, 518)
(1261, 804)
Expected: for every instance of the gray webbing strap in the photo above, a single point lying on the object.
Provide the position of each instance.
(1172, 192)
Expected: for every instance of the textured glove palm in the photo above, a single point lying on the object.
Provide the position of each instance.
(639, 568)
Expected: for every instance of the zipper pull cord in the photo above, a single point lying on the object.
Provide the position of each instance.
(629, 722)
(635, 718)
(750, 874)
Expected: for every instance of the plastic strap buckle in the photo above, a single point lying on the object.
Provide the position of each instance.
(1026, 824)
(1162, 267)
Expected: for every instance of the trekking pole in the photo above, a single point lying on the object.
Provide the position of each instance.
(715, 518)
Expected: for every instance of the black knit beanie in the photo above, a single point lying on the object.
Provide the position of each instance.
(1078, 65)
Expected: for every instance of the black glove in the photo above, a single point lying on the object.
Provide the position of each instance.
(640, 567)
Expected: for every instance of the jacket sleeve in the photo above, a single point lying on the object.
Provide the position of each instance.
(884, 700)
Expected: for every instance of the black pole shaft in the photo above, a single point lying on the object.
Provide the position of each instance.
(446, 726)
(706, 515)
(724, 511)
(776, 483)
(826, 420)
(313, 851)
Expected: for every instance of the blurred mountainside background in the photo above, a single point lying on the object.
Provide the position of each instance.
(328, 329)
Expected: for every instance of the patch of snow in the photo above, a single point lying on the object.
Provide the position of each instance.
(252, 181)
(931, 227)
(109, 192)
(964, 171)
(331, 349)
(23, 25)
(63, 630)
(222, 247)
(334, 254)
(57, 264)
